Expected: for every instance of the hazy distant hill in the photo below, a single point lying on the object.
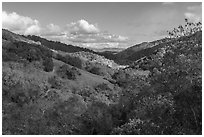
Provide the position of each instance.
(135, 52)
(114, 50)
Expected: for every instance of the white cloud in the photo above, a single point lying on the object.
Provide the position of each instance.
(20, 24)
(51, 30)
(28, 26)
(96, 41)
(82, 27)
(96, 38)
(84, 34)
(80, 33)
(101, 45)
(194, 13)
(119, 38)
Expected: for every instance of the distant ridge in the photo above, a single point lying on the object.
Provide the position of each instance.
(55, 45)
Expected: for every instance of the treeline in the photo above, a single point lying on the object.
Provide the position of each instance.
(55, 45)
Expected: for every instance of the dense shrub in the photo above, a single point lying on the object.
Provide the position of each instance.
(8, 56)
(17, 51)
(102, 86)
(171, 102)
(96, 120)
(180, 75)
(68, 72)
(73, 61)
(48, 64)
(121, 78)
(95, 70)
(63, 118)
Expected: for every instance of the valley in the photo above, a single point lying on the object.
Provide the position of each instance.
(151, 88)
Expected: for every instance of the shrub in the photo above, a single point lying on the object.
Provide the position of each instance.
(8, 56)
(102, 86)
(121, 78)
(96, 120)
(86, 93)
(189, 29)
(95, 70)
(55, 82)
(71, 60)
(68, 72)
(74, 61)
(63, 118)
(48, 64)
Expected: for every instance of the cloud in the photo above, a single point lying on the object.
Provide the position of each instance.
(103, 45)
(81, 32)
(96, 38)
(27, 26)
(52, 30)
(194, 13)
(20, 24)
(85, 34)
(82, 27)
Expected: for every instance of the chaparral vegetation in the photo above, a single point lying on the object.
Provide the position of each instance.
(50, 88)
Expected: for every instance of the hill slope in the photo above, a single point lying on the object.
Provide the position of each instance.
(58, 45)
(138, 51)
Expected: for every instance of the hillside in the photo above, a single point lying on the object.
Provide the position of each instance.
(9, 36)
(138, 51)
(134, 53)
(36, 83)
(56, 45)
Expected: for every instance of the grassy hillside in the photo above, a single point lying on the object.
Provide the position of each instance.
(37, 87)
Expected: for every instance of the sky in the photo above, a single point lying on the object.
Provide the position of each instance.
(98, 25)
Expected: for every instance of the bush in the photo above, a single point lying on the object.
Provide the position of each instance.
(71, 60)
(67, 72)
(48, 64)
(55, 82)
(121, 78)
(74, 61)
(189, 29)
(102, 87)
(8, 56)
(96, 120)
(95, 70)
